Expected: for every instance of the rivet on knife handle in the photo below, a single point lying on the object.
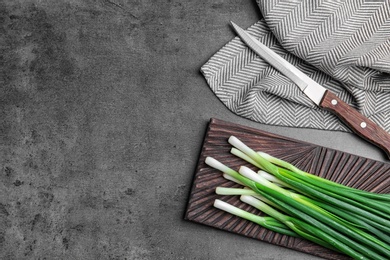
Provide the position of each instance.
(360, 124)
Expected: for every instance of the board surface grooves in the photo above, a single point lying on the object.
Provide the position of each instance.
(335, 165)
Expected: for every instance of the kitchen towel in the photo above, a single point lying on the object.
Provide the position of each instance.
(342, 44)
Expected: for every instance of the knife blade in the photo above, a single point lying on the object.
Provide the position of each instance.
(321, 96)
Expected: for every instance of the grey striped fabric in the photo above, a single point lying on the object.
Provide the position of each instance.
(343, 45)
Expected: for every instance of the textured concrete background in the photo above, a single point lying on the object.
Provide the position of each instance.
(103, 112)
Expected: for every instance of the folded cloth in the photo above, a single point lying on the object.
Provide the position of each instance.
(343, 45)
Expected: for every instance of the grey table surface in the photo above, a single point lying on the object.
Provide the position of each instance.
(103, 111)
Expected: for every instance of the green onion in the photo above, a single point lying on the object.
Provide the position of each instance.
(267, 222)
(321, 181)
(244, 191)
(330, 214)
(234, 191)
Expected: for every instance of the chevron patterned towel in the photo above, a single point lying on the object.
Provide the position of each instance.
(343, 45)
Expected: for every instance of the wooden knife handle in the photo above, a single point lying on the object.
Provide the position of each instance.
(358, 123)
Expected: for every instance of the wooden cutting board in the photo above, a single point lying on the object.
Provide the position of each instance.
(335, 165)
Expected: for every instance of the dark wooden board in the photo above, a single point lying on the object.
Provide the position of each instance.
(335, 165)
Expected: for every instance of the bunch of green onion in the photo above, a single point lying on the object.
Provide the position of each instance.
(300, 204)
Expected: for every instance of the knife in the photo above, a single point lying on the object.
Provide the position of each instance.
(322, 97)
